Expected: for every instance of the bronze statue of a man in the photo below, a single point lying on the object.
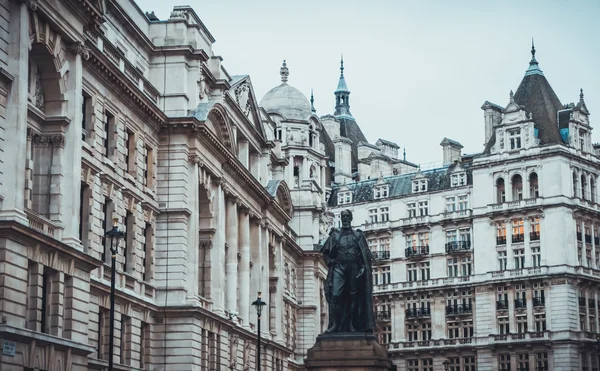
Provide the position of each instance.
(349, 287)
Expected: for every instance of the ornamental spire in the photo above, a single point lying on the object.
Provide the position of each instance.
(342, 67)
(312, 101)
(534, 68)
(284, 72)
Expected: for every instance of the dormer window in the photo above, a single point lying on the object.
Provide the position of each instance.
(344, 197)
(459, 179)
(419, 185)
(514, 138)
(381, 191)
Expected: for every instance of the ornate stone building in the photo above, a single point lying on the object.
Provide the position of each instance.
(111, 114)
(491, 261)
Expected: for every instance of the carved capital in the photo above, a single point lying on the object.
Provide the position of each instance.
(57, 140)
(79, 48)
(194, 159)
(31, 4)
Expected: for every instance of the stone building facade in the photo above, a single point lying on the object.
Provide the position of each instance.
(110, 115)
(491, 261)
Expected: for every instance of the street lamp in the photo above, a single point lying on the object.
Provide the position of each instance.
(259, 304)
(115, 235)
(446, 364)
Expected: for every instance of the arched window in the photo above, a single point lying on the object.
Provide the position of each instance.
(517, 187)
(500, 191)
(592, 189)
(534, 191)
(584, 194)
(575, 185)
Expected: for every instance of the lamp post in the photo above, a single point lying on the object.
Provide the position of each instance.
(446, 364)
(115, 235)
(259, 304)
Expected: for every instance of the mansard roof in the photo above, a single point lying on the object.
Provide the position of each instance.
(399, 185)
(350, 129)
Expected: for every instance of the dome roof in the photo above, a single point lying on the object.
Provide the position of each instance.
(286, 100)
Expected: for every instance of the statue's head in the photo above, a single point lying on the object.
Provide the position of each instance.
(346, 216)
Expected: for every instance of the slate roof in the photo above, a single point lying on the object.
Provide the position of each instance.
(399, 185)
(537, 96)
(350, 129)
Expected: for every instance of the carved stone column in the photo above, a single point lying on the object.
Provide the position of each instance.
(244, 268)
(231, 263)
(218, 256)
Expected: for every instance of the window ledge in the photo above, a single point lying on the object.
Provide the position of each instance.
(28, 336)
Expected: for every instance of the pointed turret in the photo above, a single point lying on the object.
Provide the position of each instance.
(342, 95)
(537, 96)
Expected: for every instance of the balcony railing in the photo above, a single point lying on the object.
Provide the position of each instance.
(384, 315)
(534, 236)
(516, 238)
(501, 304)
(381, 255)
(416, 251)
(43, 225)
(456, 246)
(539, 302)
(501, 240)
(418, 312)
(454, 309)
(520, 303)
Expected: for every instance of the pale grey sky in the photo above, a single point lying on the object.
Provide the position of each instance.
(418, 70)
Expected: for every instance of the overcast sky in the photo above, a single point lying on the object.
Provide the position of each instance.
(418, 71)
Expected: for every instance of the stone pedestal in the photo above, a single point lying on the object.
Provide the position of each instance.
(348, 352)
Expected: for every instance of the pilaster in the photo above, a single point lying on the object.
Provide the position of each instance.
(231, 265)
(244, 268)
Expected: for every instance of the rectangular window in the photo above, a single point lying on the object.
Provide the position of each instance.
(463, 203)
(424, 239)
(523, 361)
(514, 137)
(540, 322)
(453, 267)
(102, 333)
(424, 268)
(148, 167)
(465, 266)
(541, 361)
(107, 211)
(503, 327)
(450, 204)
(536, 256)
(386, 335)
(130, 151)
(453, 364)
(467, 328)
(521, 324)
(534, 232)
(412, 365)
(465, 235)
(426, 331)
(427, 364)
(385, 275)
(423, 208)
(412, 210)
(451, 235)
(384, 244)
(519, 258)
(504, 362)
(344, 198)
(85, 196)
(502, 260)
(129, 247)
(85, 116)
(373, 216)
(469, 363)
(453, 330)
(501, 234)
(125, 340)
(411, 270)
(384, 214)
(518, 231)
(147, 257)
(412, 332)
(144, 345)
(47, 299)
(109, 124)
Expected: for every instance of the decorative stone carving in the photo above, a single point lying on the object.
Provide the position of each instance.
(79, 48)
(203, 89)
(182, 14)
(233, 343)
(244, 100)
(39, 91)
(501, 135)
(57, 140)
(246, 356)
(31, 4)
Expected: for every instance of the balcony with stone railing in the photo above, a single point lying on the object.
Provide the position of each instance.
(513, 205)
(418, 312)
(456, 214)
(43, 225)
(459, 309)
(415, 220)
